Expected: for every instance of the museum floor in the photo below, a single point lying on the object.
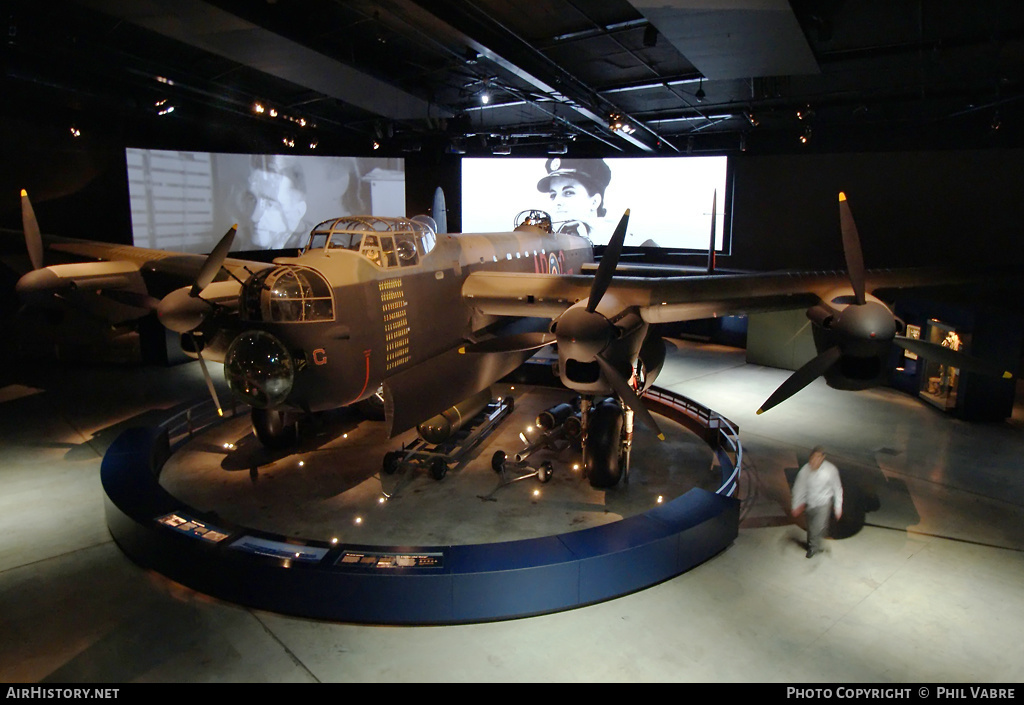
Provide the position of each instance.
(924, 586)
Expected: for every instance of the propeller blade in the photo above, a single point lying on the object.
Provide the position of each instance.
(851, 249)
(214, 262)
(621, 386)
(801, 378)
(206, 376)
(33, 238)
(609, 260)
(711, 248)
(952, 358)
(520, 342)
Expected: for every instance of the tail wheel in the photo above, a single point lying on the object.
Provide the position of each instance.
(275, 429)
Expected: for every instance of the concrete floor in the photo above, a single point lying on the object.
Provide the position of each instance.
(922, 585)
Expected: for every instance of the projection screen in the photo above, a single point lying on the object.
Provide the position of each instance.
(669, 198)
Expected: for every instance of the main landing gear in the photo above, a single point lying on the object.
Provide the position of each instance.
(607, 441)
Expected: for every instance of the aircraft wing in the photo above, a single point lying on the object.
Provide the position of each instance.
(667, 299)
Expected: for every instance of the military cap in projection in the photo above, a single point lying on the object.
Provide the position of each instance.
(594, 174)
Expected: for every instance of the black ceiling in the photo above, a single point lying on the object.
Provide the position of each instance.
(747, 74)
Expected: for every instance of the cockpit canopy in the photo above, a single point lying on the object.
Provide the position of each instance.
(387, 242)
(535, 218)
(287, 294)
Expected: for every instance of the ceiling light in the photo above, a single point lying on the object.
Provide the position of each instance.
(485, 98)
(376, 144)
(700, 94)
(504, 148)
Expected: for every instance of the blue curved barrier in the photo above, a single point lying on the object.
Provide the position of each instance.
(403, 584)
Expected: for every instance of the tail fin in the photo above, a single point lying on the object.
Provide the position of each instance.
(711, 247)
(440, 212)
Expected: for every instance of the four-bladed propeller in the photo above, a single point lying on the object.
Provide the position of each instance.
(864, 327)
(583, 333)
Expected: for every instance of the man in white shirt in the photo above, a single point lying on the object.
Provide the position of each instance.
(818, 489)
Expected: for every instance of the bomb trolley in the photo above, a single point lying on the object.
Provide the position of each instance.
(448, 437)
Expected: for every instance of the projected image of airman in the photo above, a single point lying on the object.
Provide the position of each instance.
(277, 196)
(576, 189)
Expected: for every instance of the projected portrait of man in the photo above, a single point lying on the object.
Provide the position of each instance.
(576, 189)
(277, 193)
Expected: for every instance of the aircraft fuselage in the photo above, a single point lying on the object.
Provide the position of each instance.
(344, 321)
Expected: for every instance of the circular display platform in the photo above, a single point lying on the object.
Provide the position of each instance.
(323, 532)
(333, 487)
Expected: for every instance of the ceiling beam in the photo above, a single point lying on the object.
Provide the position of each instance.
(211, 29)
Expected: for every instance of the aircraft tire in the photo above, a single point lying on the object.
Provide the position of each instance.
(604, 437)
(274, 428)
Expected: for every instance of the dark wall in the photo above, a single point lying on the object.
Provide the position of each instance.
(911, 208)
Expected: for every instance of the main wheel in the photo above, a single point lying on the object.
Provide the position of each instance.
(275, 429)
(604, 440)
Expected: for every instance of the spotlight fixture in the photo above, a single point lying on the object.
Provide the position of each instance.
(618, 124)
(504, 148)
(996, 122)
(376, 144)
(485, 98)
(75, 132)
(558, 148)
(751, 118)
(700, 94)
(806, 136)
(258, 108)
(288, 142)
